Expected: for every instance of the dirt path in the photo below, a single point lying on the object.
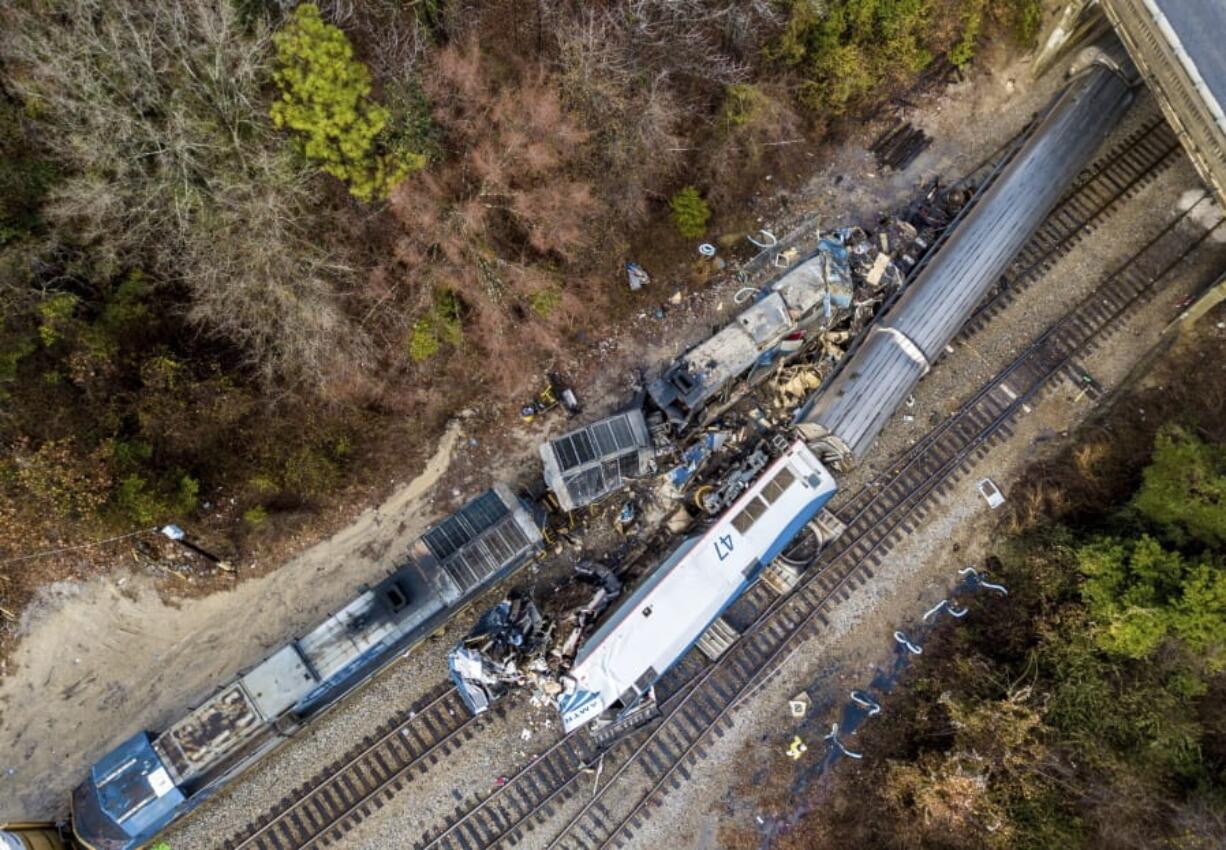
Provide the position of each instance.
(100, 660)
(104, 659)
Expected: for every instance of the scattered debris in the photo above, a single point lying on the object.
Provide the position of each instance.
(796, 749)
(799, 704)
(899, 145)
(706, 249)
(625, 518)
(556, 392)
(907, 644)
(678, 479)
(991, 493)
(637, 276)
(833, 738)
(507, 644)
(600, 585)
(712, 499)
(785, 258)
(978, 579)
(865, 701)
(768, 240)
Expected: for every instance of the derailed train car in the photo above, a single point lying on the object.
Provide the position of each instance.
(616, 669)
(804, 297)
(149, 780)
(842, 421)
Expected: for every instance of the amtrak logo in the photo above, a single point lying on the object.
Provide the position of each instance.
(578, 707)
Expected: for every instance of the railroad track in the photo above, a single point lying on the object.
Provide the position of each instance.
(378, 767)
(320, 812)
(660, 758)
(1101, 191)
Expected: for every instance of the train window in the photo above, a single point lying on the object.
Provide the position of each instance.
(629, 465)
(744, 521)
(778, 485)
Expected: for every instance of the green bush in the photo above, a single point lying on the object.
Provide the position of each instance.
(972, 23)
(442, 325)
(845, 49)
(1027, 19)
(142, 503)
(1183, 490)
(545, 301)
(743, 103)
(255, 516)
(325, 98)
(423, 342)
(56, 316)
(690, 212)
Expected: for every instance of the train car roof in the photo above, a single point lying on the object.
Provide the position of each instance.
(480, 540)
(1197, 29)
(128, 797)
(583, 465)
(824, 487)
(640, 593)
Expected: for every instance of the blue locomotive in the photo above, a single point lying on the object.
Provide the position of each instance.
(149, 780)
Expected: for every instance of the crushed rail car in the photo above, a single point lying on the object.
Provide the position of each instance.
(617, 667)
(803, 298)
(150, 779)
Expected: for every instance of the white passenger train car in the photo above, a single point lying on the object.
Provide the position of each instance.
(666, 615)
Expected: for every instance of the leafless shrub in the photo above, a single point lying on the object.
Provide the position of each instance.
(155, 108)
(633, 116)
(391, 35)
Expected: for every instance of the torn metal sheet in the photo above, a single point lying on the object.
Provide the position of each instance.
(677, 479)
(498, 653)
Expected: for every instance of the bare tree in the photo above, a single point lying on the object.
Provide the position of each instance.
(175, 168)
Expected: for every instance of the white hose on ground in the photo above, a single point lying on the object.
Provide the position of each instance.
(910, 647)
(770, 237)
(865, 701)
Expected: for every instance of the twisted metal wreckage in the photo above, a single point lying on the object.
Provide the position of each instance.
(794, 335)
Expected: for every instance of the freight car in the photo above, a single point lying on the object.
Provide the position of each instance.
(617, 667)
(149, 780)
